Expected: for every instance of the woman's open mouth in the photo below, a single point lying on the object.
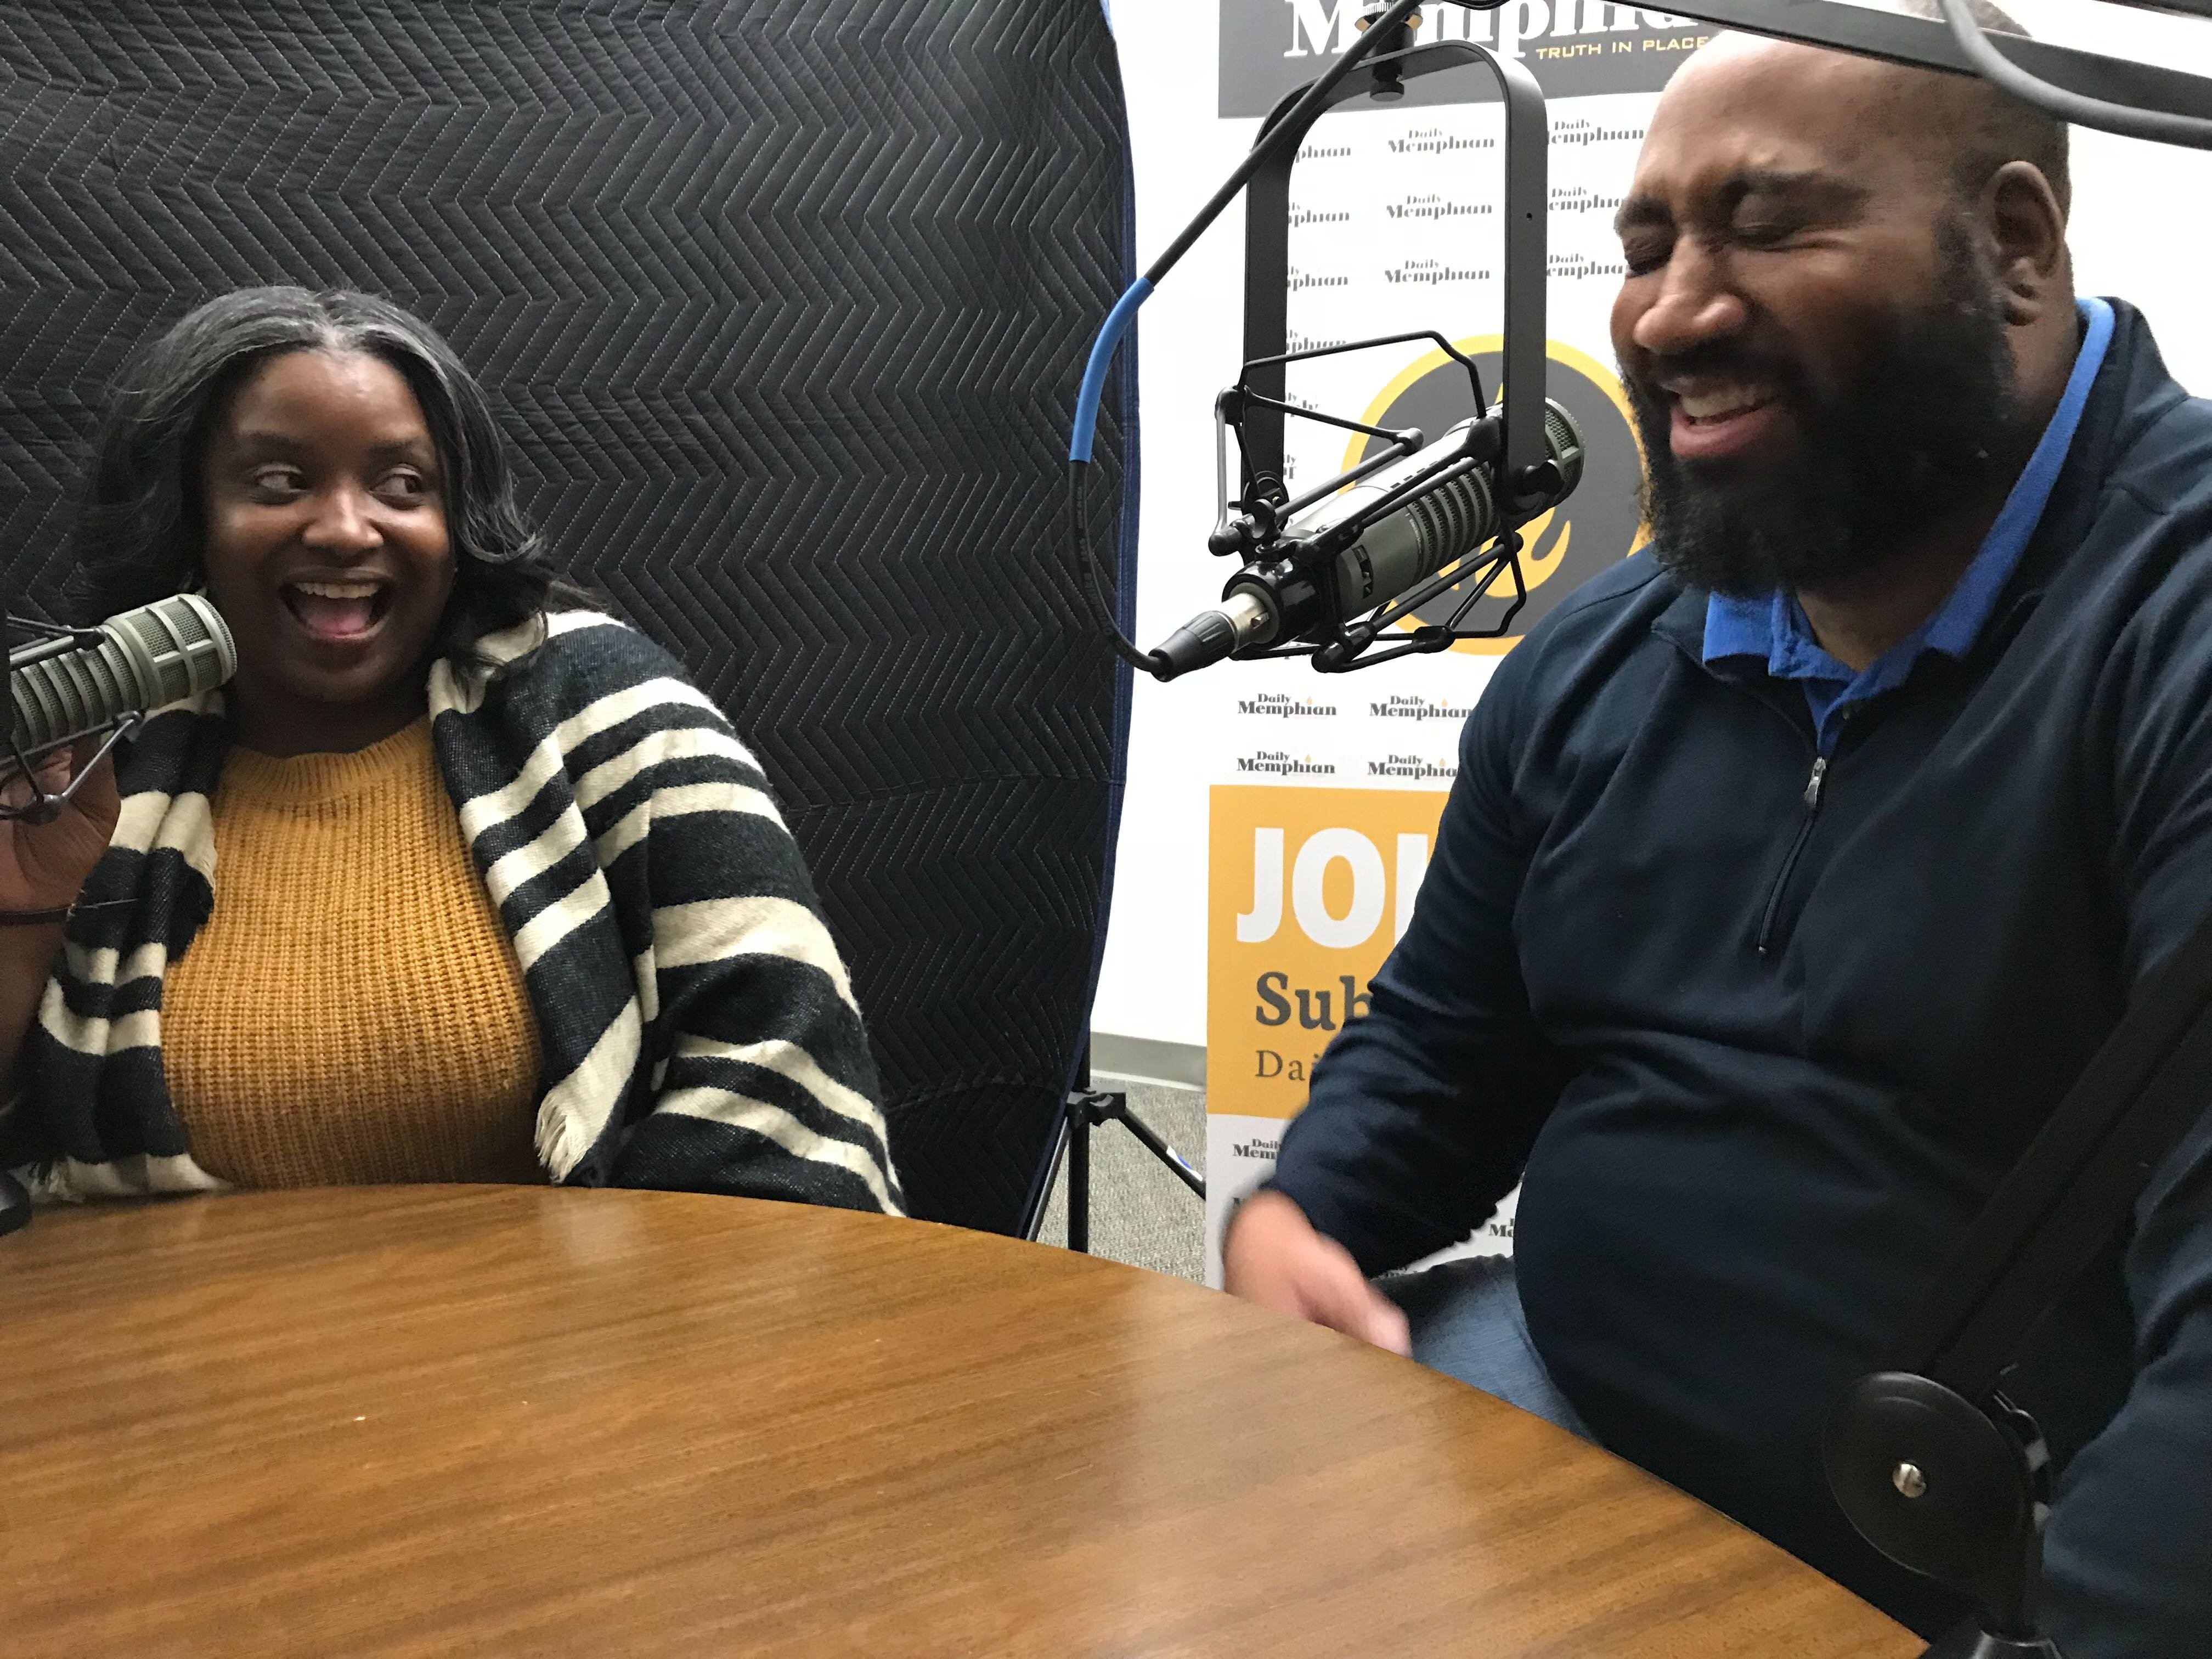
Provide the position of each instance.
(339, 612)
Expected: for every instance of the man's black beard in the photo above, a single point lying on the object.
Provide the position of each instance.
(1931, 426)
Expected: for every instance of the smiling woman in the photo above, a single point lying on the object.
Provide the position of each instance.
(458, 880)
(326, 550)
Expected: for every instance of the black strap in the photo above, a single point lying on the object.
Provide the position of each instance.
(2078, 1182)
(59, 913)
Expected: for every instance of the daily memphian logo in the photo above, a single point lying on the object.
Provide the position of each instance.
(1281, 706)
(1414, 769)
(1281, 763)
(1435, 273)
(1575, 47)
(1397, 708)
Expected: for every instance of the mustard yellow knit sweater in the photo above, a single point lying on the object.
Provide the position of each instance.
(352, 1011)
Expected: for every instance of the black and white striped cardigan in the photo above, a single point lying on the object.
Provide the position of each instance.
(698, 1028)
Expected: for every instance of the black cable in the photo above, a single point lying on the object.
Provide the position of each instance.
(2160, 126)
(1316, 98)
(1078, 507)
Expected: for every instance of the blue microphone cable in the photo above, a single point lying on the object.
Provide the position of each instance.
(1123, 317)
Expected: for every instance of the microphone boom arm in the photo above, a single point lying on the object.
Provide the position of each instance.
(2114, 94)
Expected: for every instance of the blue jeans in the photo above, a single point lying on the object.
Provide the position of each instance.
(1467, 1324)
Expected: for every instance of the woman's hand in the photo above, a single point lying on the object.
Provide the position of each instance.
(44, 865)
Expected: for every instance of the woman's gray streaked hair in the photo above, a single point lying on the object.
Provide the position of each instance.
(140, 524)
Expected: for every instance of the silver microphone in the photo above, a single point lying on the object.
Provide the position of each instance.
(1267, 602)
(1432, 529)
(146, 658)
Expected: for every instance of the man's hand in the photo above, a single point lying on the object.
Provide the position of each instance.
(1274, 1256)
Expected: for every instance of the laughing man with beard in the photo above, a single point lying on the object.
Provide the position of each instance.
(1795, 869)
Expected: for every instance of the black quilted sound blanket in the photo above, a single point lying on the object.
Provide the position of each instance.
(785, 302)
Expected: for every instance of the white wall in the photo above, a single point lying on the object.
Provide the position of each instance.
(2142, 213)
(1154, 984)
(2143, 229)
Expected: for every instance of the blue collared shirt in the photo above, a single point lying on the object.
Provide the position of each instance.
(1774, 628)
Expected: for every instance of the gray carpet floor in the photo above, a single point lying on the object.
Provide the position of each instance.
(1140, 1212)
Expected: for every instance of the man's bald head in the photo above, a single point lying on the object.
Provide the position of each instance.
(1960, 121)
(1994, 127)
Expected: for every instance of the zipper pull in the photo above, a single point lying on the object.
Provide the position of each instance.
(1813, 786)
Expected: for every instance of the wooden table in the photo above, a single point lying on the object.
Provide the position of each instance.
(507, 1421)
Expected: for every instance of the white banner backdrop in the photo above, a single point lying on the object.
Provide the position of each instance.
(1394, 228)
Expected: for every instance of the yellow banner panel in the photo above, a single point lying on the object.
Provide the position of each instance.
(1306, 891)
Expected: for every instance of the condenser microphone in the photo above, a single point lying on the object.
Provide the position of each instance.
(1339, 560)
(70, 687)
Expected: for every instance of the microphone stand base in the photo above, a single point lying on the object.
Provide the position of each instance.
(14, 1204)
(1971, 1641)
